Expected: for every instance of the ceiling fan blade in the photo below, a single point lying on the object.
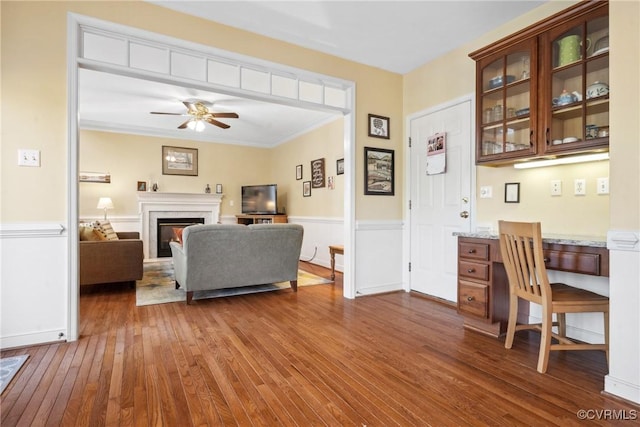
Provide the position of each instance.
(184, 125)
(217, 123)
(225, 115)
(170, 114)
(189, 105)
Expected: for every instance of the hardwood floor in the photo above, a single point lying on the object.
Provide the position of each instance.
(305, 358)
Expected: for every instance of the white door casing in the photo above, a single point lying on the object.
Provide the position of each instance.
(438, 201)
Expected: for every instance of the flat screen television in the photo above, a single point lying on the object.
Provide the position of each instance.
(260, 199)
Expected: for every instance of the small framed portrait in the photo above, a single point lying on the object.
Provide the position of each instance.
(340, 167)
(306, 188)
(299, 172)
(218, 188)
(512, 192)
(379, 126)
(142, 185)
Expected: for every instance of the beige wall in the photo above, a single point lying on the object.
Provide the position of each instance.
(451, 76)
(133, 158)
(625, 114)
(34, 95)
(325, 142)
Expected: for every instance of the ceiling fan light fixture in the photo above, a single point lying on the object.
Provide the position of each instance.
(196, 125)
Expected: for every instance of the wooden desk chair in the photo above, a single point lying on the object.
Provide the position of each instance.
(521, 248)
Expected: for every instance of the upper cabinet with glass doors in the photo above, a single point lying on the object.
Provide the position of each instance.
(545, 90)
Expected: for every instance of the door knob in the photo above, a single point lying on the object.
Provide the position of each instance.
(464, 214)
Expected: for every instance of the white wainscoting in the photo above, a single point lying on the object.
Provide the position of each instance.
(624, 298)
(319, 233)
(378, 261)
(34, 284)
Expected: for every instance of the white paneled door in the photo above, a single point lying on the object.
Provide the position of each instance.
(440, 203)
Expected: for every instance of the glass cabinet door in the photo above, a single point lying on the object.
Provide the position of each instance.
(505, 114)
(578, 95)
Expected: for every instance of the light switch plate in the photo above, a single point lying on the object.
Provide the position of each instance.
(579, 187)
(29, 158)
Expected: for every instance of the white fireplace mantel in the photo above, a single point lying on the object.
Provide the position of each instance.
(153, 205)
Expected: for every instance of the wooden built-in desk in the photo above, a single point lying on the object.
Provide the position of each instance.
(483, 288)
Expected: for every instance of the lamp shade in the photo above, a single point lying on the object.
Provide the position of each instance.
(105, 203)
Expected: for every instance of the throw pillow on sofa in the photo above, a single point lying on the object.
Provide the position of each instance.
(105, 228)
(88, 233)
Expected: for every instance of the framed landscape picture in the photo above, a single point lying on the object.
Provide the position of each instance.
(179, 161)
(379, 172)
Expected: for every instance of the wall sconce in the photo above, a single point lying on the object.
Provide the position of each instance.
(105, 203)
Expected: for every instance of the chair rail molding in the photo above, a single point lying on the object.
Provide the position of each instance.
(31, 229)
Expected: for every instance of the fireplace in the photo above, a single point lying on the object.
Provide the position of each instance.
(155, 205)
(167, 232)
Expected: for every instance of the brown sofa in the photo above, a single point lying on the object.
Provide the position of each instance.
(111, 261)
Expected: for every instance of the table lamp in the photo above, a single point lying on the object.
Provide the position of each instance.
(105, 203)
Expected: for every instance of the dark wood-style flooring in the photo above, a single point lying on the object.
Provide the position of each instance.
(307, 358)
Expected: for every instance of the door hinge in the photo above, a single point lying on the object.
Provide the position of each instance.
(409, 267)
(409, 142)
(409, 204)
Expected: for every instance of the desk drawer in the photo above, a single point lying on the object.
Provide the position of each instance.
(473, 299)
(469, 250)
(473, 270)
(573, 262)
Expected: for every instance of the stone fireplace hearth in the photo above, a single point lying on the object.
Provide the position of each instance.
(154, 205)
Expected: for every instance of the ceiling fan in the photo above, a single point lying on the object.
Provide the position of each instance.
(198, 113)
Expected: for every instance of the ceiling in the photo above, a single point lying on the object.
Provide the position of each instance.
(397, 36)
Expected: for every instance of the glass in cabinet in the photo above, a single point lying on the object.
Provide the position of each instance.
(505, 116)
(577, 106)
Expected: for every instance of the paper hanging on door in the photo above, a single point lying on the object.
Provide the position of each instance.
(436, 153)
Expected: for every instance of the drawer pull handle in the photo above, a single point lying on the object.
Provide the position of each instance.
(546, 259)
(470, 299)
(471, 270)
(472, 251)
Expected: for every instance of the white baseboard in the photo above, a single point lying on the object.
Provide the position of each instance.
(35, 338)
(621, 388)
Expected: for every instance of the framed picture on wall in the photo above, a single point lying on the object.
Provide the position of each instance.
(317, 173)
(179, 161)
(306, 188)
(512, 192)
(340, 167)
(378, 179)
(379, 126)
(299, 172)
(142, 185)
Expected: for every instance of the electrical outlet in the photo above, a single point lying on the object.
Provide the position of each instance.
(556, 188)
(29, 158)
(486, 192)
(579, 187)
(230, 202)
(603, 186)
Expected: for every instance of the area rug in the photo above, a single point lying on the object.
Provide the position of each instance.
(9, 367)
(158, 285)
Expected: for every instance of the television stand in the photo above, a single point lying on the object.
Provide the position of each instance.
(261, 219)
